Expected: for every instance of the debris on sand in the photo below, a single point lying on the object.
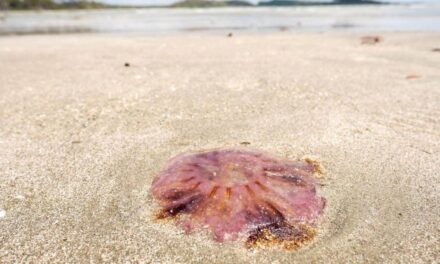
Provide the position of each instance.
(371, 40)
(413, 76)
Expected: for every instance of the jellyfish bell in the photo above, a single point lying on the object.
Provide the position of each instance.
(235, 193)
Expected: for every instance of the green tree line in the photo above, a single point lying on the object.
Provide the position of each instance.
(48, 4)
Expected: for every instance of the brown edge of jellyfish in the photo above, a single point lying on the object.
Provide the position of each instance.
(282, 235)
(318, 169)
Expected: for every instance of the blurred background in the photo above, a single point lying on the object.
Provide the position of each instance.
(165, 16)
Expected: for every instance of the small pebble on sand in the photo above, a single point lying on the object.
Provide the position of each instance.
(20, 197)
(2, 213)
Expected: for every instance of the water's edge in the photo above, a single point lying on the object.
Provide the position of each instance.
(414, 17)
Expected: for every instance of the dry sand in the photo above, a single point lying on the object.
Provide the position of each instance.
(82, 137)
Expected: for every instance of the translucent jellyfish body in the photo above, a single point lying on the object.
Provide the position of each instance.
(241, 195)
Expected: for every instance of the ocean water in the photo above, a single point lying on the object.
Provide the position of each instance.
(396, 17)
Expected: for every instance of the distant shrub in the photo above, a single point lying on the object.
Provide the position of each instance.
(49, 4)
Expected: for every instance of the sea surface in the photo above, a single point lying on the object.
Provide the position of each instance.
(395, 17)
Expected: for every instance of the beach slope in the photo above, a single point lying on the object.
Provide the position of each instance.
(87, 121)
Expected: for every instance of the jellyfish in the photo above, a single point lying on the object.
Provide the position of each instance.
(238, 194)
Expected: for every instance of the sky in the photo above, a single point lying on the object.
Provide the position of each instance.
(166, 2)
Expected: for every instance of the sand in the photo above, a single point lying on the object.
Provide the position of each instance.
(82, 137)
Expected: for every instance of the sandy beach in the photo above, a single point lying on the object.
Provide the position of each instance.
(83, 136)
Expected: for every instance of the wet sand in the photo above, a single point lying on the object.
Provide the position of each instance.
(82, 137)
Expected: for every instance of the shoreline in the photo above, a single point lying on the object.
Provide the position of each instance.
(412, 18)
